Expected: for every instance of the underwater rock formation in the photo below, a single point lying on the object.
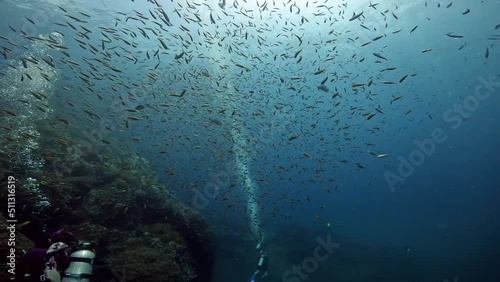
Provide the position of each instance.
(21, 241)
(111, 198)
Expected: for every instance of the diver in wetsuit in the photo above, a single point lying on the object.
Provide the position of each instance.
(66, 260)
(261, 271)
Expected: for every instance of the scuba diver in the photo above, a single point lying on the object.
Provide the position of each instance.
(261, 271)
(65, 260)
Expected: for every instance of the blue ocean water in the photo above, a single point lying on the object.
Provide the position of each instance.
(369, 127)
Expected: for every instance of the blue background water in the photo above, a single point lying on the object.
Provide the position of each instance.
(446, 211)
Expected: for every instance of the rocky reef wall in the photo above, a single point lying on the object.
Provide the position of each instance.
(108, 196)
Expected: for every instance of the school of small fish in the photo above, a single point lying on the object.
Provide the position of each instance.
(310, 91)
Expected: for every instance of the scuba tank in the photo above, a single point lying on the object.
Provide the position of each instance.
(262, 264)
(80, 266)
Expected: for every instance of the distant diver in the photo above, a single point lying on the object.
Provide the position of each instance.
(261, 271)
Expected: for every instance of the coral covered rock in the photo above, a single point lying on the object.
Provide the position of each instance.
(113, 199)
